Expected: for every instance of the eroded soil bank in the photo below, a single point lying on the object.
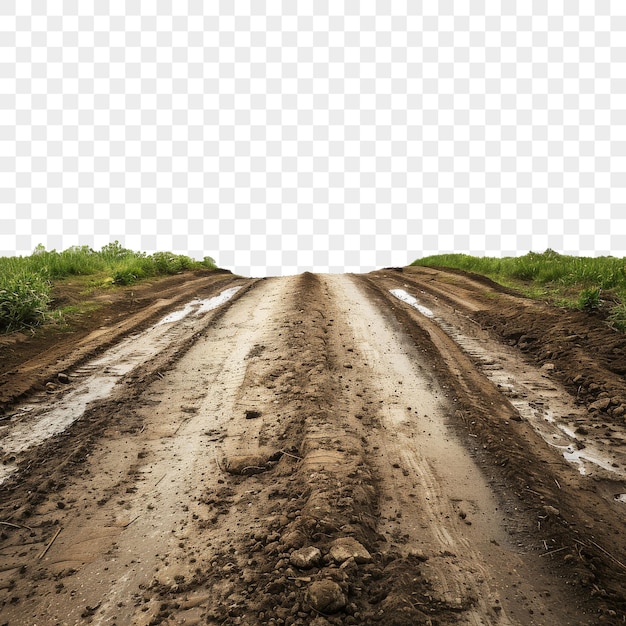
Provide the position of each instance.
(316, 451)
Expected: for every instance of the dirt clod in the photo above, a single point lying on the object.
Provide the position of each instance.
(247, 464)
(325, 596)
(306, 558)
(345, 548)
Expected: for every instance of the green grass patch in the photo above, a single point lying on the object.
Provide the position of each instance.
(65, 318)
(24, 299)
(586, 283)
(589, 299)
(26, 282)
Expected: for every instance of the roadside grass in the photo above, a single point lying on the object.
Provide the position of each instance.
(585, 283)
(24, 299)
(26, 283)
(65, 317)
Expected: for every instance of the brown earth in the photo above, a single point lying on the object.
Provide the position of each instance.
(315, 450)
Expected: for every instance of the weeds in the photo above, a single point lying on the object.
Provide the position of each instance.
(26, 282)
(564, 280)
(617, 317)
(24, 299)
(589, 299)
(547, 267)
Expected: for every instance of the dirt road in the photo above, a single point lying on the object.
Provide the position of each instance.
(410, 446)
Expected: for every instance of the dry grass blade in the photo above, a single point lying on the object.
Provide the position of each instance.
(15, 525)
(45, 550)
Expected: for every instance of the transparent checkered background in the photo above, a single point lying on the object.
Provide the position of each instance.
(280, 137)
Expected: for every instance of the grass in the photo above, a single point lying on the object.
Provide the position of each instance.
(586, 283)
(26, 282)
(24, 299)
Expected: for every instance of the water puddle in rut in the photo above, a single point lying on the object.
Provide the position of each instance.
(30, 426)
(536, 398)
(409, 299)
(198, 307)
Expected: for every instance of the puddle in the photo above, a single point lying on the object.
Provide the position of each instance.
(199, 306)
(31, 425)
(534, 396)
(405, 297)
(579, 456)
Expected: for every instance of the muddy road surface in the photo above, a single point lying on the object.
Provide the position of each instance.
(410, 446)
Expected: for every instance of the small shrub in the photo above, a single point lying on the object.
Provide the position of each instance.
(185, 262)
(589, 299)
(131, 270)
(114, 252)
(170, 263)
(164, 262)
(124, 277)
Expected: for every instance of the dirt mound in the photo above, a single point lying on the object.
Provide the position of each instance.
(577, 347)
